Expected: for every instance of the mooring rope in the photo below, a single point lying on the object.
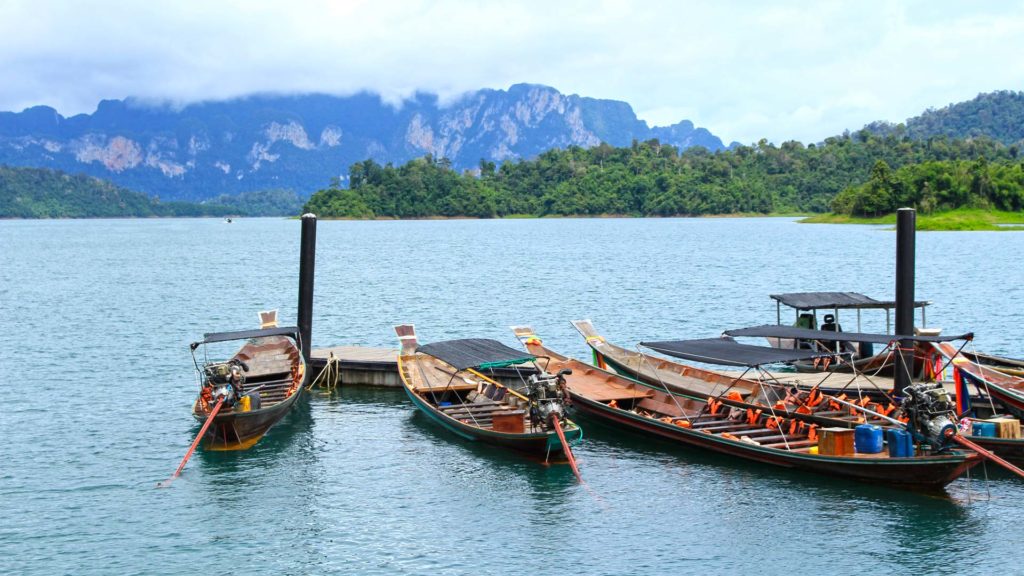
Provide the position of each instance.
(331, 373)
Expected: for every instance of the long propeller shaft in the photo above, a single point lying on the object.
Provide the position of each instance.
(565, 447)
(987, 454)
(209, 420)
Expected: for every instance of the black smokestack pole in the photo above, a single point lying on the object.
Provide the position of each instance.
(307, 258)
(906, 222)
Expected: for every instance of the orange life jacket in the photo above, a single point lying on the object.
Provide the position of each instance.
(752, 416)
(814, 397)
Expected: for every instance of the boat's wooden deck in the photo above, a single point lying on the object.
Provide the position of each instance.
(665, 372)
(270, 358)
(273, 368)
(593, 383)
(763, 428)
(432, 380)
(807, 380)
(426, 374)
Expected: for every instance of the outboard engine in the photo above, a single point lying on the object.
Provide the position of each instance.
(225, 379)
(932, 414)
(547, 395)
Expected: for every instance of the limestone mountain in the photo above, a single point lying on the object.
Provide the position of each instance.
(301, 142)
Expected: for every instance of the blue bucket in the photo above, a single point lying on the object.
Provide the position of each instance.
(867, 439)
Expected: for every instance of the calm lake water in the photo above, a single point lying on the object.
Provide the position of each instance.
(97, 317)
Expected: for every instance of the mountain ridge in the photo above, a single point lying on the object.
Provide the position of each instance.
(998, 115)
(301, 141)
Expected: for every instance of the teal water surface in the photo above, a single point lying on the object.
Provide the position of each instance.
(98, 380)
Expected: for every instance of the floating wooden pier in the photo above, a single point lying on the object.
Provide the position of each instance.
(358, 365)
(369, 366)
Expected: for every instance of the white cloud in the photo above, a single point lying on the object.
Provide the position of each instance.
(784, 70)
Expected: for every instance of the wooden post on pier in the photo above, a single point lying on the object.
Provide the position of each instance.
(307, 259)
(906, 222)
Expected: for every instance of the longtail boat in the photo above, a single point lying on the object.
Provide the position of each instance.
(1003, 387)
(823, 405)
(754, 389)
(762, 437)
(1009, 366)
(996, 385)
(445, 381)
(250, 391)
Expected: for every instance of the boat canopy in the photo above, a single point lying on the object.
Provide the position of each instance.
(728, 352)
(475, 353)
(291, 331)
(837, 301)
(777, 331)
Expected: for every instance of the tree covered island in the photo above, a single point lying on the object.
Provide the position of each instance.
(863, 175)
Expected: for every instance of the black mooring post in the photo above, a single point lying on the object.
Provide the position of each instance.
(906, 222)
(307, 258)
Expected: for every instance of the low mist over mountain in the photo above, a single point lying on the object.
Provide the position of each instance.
(301, 142)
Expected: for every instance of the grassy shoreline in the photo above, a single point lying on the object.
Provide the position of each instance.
(961, 219)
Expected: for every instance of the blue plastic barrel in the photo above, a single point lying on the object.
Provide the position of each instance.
(867, 439)
(901, 443)
(987, 429)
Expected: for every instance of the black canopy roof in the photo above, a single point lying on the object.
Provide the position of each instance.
(839, 300)
(728, 352)
(475, 353)
(291, 331)
(776, 331)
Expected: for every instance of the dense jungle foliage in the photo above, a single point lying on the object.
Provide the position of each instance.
(936, 187)
(651, 179)
(44, 193)
(998, 115)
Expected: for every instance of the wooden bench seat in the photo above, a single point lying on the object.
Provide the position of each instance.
(778, 439)
(469, 409)
(794, 444)
(443, 388)
(666, 408)
(707, 424)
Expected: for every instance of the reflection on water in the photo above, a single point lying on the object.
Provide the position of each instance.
(356, 481)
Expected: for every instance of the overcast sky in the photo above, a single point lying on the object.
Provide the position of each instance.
(744, 70)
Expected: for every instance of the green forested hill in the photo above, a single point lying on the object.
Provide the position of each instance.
(997, 115)
(42, 193)
(936, 186)
(646, 178)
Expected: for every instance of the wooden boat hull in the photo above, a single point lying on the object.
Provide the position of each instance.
(538, 444)
(1009, 366)
(278, 374)
(1007, 389)
(927, 474)
(242, 430)
(598, 393)
(1011, 449)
